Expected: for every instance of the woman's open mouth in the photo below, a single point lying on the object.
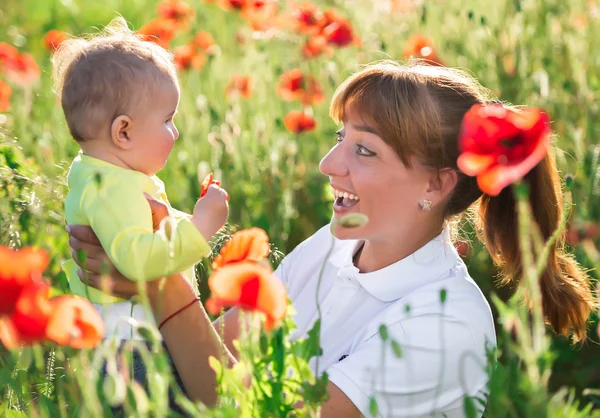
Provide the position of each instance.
(344, 199)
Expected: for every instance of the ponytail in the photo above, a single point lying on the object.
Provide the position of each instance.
(567, 300)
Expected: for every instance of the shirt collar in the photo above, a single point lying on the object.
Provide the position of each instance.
(420, 268)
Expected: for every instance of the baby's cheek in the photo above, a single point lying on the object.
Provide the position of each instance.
(167, 144)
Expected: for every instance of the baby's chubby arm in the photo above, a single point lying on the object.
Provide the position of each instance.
(121, 218)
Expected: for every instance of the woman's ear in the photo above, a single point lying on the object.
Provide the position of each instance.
(442, 184)
(120, 132)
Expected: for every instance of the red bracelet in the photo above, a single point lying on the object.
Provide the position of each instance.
(177, 312)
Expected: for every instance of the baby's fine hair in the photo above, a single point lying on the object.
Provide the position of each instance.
(106, 75)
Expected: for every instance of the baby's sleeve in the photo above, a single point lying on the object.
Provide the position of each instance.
(121, 218)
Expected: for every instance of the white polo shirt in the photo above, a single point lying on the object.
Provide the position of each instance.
(443, 345)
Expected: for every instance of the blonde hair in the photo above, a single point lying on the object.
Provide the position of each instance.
(418, 110)
(104, 76)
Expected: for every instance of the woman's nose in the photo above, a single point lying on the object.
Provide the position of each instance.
(334, 163)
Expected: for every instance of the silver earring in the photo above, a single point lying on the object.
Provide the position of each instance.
(426, 205)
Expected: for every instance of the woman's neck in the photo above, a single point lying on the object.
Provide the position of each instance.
(377, 254)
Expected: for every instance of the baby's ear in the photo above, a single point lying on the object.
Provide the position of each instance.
(119, 132)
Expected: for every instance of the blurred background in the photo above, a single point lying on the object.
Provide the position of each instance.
(256, 79)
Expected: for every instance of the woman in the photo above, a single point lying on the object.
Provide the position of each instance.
(395, 162)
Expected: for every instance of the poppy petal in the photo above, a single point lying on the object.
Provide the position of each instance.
(74, 322)
(246, 245)
(249, 286)
(9, 336)
(472, 164)
(493, 181)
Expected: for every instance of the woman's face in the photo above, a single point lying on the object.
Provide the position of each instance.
(368, 177)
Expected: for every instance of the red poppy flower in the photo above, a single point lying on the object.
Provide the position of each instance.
(316, 46)
(159, 31)
(208, 180)
(239, 279)
(336, 29)
(53, 39)
(28, 316)
(177, 11)
(187, 57)
(462, 248)
(500, 145)
(17, 270)
(74, 322)
(294, 85)
(299, 122)
(5, 93)
(245, 245)
(22, 69)
(420, 46)
(27, 323)
(232, 4)
(307, 18)
(7, 53)
(240, 85)
(250, 286)
(32, 311)
(261, 15)
(203, 40)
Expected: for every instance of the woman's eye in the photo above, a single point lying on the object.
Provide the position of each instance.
(364, 151)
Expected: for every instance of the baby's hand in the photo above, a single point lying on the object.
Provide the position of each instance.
(211, 211)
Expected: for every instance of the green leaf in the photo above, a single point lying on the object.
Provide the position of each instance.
(315, 393)
(215, 365)
(383, 331)
(310, 347)
(26, 358)
(15, 414)
(263, 343)
(443, 295)
(81, 256)
(521, 191)
(469, 407)
(114, 388)
(148, 333)
(569, 180)
(397, 349)
(138, 399)
(373, 408)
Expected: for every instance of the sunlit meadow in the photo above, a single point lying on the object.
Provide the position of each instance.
(256, 80)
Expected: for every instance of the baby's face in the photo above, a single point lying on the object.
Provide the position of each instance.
(154, 133)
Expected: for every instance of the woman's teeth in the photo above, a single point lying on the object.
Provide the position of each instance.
(345, 199)
(339, 193)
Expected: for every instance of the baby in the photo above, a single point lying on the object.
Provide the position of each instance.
(119, 95)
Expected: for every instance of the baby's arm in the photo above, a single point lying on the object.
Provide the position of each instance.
(121, 218)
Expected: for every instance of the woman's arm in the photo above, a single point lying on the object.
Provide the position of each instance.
(189, 335)
(191, 339)
(227, 327)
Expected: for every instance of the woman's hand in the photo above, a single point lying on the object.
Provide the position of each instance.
(96, 269)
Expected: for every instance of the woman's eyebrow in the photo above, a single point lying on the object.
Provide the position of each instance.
(365, 128)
